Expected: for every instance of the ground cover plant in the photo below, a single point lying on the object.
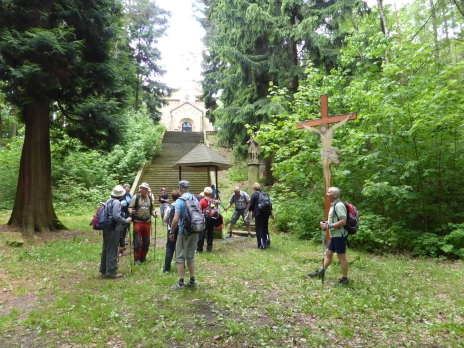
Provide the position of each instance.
(52, 296)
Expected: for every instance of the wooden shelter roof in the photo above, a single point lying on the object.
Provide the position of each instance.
(201, 158)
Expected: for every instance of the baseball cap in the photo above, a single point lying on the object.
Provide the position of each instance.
(184, 184)
(144, 185)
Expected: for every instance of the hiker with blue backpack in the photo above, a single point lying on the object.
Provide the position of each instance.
(338, 215)
(111, 234)
(261, 207)
(190, 221)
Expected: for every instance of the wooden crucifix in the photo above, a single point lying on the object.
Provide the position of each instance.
(329, 153)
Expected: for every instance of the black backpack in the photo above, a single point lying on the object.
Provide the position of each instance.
(264, 203)
(172, 212)
(194, 221)
(352, 218)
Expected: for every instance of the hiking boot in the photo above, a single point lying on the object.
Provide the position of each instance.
(178, 286)
(262, 247)
(249, 235)
(229, 236)
(342, 282)
(318, 273)
(115, 276)
(199, 250)
(191, 284)
(138, 263)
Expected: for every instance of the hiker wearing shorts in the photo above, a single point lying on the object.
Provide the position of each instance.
(185, 245)
(338, 236)
(242, 203)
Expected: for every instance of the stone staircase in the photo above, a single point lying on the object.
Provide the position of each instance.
(158, 172)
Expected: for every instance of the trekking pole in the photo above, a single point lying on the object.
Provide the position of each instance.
(130, 249)
(323, 252)
(154, 245)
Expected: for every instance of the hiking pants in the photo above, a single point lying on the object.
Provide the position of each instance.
(262, 230)
(163, 207)
(109, 255)
(122, 235)
(141, 240)
(170, 248)
(208, 231)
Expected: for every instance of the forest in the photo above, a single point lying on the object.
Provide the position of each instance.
(81, 94)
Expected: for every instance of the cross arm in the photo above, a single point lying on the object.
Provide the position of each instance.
(327, 120)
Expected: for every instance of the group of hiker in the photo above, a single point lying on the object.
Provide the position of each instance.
(191, 219)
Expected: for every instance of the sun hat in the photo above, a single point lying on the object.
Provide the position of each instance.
(144, 185)
(184, 184)
(118, 191)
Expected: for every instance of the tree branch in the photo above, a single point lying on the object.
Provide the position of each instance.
(458, 7)
(67, 115)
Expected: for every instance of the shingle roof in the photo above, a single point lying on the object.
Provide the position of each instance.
(202, 157)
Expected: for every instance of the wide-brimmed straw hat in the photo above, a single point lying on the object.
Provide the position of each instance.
(118, 191)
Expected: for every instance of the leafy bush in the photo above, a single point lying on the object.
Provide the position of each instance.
(82, 177)
(238, 173)
(9, 164)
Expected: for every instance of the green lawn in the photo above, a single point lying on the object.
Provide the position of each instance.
(51, 295)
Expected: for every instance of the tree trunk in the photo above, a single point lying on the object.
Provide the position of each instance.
(33, 208)
(269, 178)
(14, 130)
(383, 19)
(1, 126)
(435, 34)
(14, 125)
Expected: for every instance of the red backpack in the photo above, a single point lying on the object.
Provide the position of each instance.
(212, 210)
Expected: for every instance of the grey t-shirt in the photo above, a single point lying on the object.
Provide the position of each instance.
(240, 202)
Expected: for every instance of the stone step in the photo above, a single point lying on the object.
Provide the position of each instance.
(158, 172)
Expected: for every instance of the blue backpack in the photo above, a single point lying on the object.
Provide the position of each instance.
(102, 218)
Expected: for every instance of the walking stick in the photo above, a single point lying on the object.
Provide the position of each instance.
(130, 248)
(323, 251)
(154, 246)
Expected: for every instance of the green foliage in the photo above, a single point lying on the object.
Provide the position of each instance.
(146, 23)
(401, 162)
(83, 177)
(239, 172)
(253, 43)
(64, 56)
(9, 162)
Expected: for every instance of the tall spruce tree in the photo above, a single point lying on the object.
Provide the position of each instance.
(60, 68)
(251, 44)
(146, 23)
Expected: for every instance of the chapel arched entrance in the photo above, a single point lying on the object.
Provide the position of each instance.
(187, 127)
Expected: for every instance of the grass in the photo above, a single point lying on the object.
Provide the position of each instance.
(245, 297)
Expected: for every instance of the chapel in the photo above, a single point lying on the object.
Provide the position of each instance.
(184, 112)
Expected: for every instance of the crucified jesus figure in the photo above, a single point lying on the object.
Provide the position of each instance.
(329, 153)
